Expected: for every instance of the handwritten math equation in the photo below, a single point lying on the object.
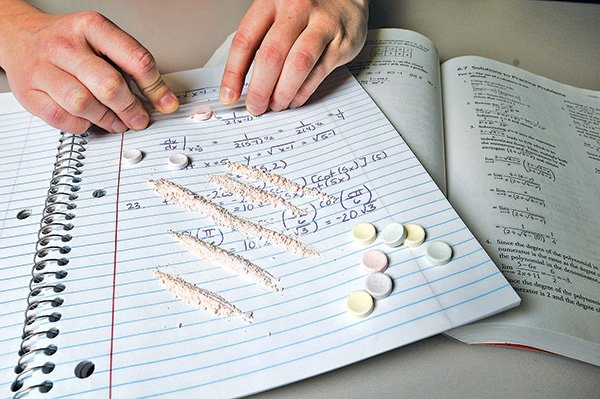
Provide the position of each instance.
(273, 150)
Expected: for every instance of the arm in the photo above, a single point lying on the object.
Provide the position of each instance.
(63, 68)
(294, 45)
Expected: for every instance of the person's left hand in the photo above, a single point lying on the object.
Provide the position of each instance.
(294, 45)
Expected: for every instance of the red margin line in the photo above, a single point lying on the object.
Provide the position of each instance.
(114, 282)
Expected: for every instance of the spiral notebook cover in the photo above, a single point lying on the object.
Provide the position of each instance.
(83, 314)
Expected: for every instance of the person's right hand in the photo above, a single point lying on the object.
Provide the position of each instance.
(62, 69)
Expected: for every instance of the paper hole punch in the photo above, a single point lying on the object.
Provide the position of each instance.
(84, 369)
(24, 214)
(99, 193)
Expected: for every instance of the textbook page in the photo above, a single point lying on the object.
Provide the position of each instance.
(400, 70)
(145, 342)
(523, 164)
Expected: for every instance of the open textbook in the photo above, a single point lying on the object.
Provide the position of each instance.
(519, 158)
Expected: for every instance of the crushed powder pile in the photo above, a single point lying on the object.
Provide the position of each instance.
(277, 180)
(234, 263)
(253, 194)
(195, 202)
(199, 297)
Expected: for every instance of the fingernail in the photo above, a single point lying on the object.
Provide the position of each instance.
(254, 110)
(226, 96)
(294, 105)
(119, 127)
(139, 122)
(168, 103)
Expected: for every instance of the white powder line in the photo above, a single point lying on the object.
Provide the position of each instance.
(232, 262)
(277, 180)
(252, 194)
(195, 202)
(199, 297)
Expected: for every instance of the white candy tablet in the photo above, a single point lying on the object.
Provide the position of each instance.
(393, 234)
(379, 285)
(178, 161)
(415, 235)
(374, 260)
(364, 233)
(438, 253)
(132, 156)
(359, 303)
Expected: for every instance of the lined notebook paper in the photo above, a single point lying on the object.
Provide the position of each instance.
(143, 341)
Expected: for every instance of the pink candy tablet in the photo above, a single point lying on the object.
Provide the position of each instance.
(374, 260)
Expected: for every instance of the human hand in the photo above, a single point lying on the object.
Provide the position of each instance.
(60, 67)
(295, 45)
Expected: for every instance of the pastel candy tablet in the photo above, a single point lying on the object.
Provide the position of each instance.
(178, 161)
(374, 260)
(202, 116)
(359, 303)
(393, 234)
(132, 156)
(438, 253)
(415, 235)
(364, 233)
(379, 285)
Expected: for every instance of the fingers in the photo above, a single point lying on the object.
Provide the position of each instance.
(249, 35)
(41, 104)
(126, 52)
(108, 86)
(59, 67)
(270, 59)
(75, 98)
(294, 48)
(323, 68)
(300, 63)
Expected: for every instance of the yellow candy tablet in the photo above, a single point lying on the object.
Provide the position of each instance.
(364, 233)
(415, 235)
(359, 303)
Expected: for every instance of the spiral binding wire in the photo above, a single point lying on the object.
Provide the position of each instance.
(48, 268)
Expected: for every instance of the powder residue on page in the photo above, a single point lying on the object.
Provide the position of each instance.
(277, 180)
(195, 202)
(252, 194)
(201, 116)
(232, 262)
(201, 298)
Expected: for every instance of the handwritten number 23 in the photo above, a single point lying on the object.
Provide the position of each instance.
(132, 205)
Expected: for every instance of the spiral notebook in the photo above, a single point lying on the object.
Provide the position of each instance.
(83, 315)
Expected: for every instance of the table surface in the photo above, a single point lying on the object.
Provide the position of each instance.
(559, 40)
